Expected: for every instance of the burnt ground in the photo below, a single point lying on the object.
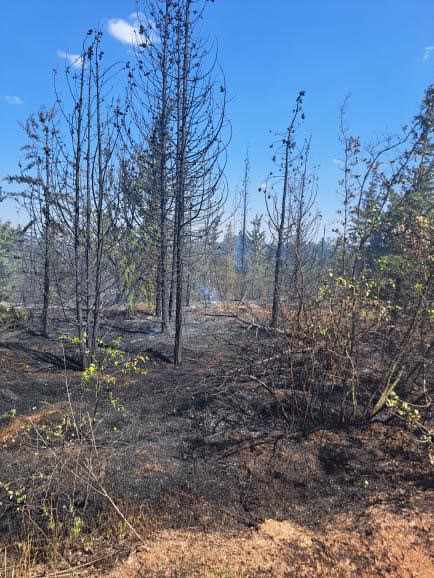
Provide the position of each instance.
(203, 467)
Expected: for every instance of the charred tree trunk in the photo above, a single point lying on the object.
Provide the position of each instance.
(77, 203)
(244, 228)
(280, 222)
(275, 313)
(47, 230)
(182, 88)
(99, 206)
(163, 299)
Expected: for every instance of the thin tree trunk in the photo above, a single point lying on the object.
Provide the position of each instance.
(99, 210)
(243, 230)
(181, 178)
(77, 251)
(88, 211)
(280, 238)
(47, 236)
(163, 177)
(172, 297)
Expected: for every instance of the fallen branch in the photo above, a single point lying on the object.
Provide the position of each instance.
(250, 324)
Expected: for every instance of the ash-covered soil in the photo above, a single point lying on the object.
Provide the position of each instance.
(203, 465)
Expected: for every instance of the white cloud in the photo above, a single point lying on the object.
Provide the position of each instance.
(75, 59)
(14, 100)
(427, 53)
(338, 162)
(127, 31)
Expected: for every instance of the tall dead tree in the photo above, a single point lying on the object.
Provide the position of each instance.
(303, 227)
(162, 182)
(70, 204)
(199, 121)
(44, 119)
(278, 215)
(244, 206)
(151, 88)
(88, 205)
(39, 195)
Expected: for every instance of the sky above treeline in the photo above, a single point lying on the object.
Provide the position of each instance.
(380, 52)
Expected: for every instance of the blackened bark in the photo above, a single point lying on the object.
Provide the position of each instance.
(47, 234)
(280, 239)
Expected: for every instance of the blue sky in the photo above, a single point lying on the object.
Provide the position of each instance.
(382, 52)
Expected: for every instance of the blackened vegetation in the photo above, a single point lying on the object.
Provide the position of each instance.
(205, 445)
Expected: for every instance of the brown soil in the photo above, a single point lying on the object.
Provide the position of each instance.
(204, 468)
